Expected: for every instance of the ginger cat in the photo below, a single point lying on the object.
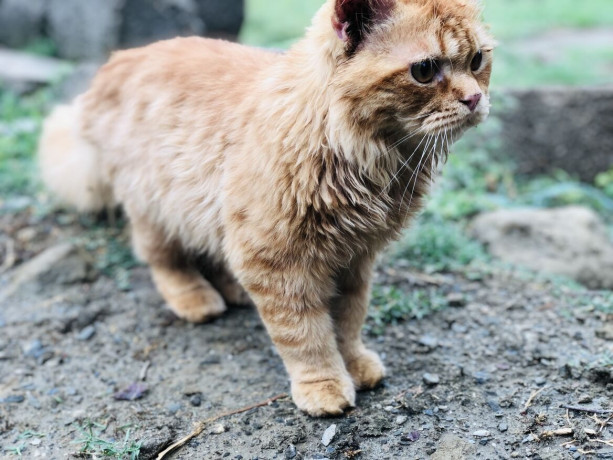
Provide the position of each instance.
(288, 172)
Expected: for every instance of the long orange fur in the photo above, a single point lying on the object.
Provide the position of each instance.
(288, 172)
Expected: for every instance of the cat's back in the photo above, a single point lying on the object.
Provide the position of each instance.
(179, 76)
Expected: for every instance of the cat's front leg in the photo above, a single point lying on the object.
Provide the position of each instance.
(295, 312)
(349, 312)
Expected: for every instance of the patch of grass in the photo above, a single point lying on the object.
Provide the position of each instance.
(112, 252)
(435, 245)
(517, 67)
(16, 451)
(390, 305)
(93, 444)
(20, 123)
(42, 47)
(521, 18)
(604, 181)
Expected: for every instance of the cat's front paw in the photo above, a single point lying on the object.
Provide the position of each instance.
(366, 369)
(324, 397)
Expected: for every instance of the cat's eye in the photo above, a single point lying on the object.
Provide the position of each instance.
(475, 64)
(424, 71)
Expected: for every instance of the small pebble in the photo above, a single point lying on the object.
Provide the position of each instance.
(481, 377)
(13, 399)
(219, 429)
(401, 419)
(328, 435)
(585, 399)
(195, 400)
(540, 381)
(503, 427)
(87, 333)
(456, 299)
(290, 452)
(481, 434)
(431, 379)
(428, 341)
(174, 408)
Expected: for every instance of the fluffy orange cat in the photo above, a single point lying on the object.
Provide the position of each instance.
(288, 172)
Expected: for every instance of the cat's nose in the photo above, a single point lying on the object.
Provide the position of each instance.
(472, 101)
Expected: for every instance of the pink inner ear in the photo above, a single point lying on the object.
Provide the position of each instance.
(340, 28)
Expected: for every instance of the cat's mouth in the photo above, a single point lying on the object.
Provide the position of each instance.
(452, 124)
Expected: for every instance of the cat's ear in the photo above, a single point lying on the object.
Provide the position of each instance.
(353, 18)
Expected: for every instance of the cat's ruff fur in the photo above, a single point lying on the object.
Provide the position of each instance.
(290, 172)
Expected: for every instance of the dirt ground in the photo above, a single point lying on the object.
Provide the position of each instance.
(485, 378)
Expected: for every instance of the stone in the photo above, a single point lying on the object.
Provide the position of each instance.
(84, 30)
(18, 67)
(222, 19)
(146, 21)
(431, 379)
(21, 21)
(452, 447)
(328, 435)
(548, 129)
(570, 241)
(87, 333)
(481, 434)
(401, 419)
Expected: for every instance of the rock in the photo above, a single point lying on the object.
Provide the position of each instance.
(605, 332)
(39, 265)
(222, 18)
(21, 21)
(455, 299)
(13, 399)
(453, 447)
(219, 429)
(481, 377)
(290, 452)
(145, 21)
(17, 68)
(431, 379)
(328, 435)
(131, 393)
(195, 400)
(87, 333)
(401, 419)
(428, 341)
(503, 427)
(570, 241)
(548, 129)
(481, 434)
(84, 30)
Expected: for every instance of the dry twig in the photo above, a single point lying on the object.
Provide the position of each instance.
(531, 399)
(589, 410)
(199, 426)
(558, 432)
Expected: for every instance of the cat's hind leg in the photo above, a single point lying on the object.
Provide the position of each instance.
(188, 294)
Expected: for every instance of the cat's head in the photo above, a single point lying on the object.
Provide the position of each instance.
(409, 66)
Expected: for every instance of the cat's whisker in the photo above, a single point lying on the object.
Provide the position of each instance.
(415, 174)
(404, 164)
(429, 157)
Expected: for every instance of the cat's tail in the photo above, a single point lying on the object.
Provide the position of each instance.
(69, 165)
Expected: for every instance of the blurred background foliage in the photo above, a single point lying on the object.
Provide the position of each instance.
(513, 22)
